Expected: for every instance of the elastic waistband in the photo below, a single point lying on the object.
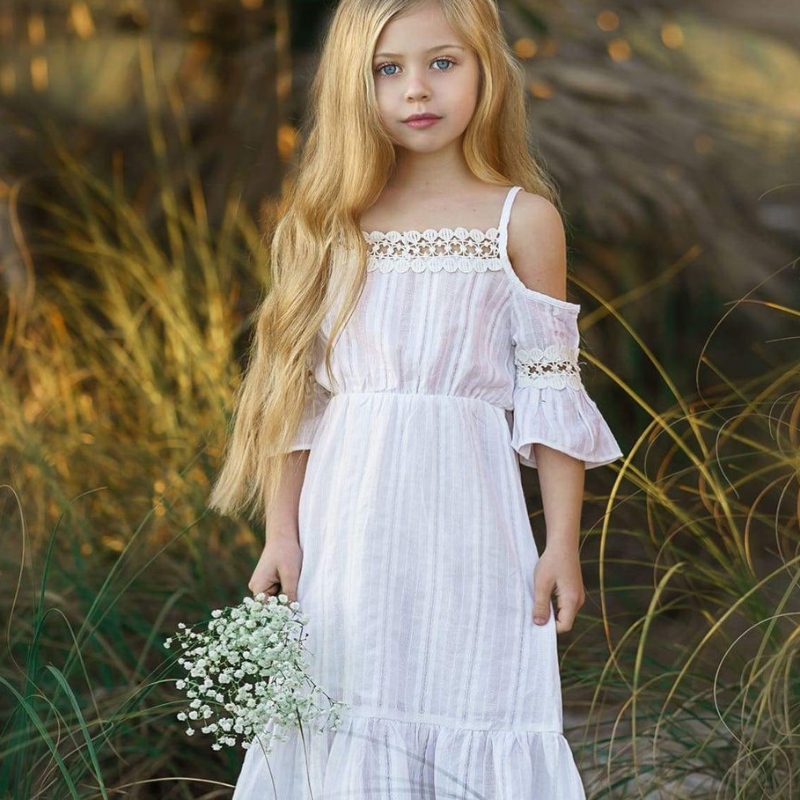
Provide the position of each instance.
(421, 395)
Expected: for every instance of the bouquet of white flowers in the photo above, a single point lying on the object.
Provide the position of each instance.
(248, 669)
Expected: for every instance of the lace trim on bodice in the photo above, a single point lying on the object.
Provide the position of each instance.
(555, 367)
(432, 250)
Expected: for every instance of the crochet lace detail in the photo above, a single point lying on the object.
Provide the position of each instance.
(555, 367)
(449, 249)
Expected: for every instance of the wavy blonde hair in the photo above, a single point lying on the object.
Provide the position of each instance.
(342, 170)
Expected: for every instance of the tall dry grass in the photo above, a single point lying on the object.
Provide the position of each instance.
(691, 688)
(115, 386)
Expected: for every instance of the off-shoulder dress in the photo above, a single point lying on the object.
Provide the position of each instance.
(418, 554)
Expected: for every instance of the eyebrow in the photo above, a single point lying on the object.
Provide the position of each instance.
(429, 50)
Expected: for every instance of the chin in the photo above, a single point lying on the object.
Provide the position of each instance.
(424, 150)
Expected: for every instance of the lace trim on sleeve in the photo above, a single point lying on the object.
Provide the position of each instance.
(555, 367)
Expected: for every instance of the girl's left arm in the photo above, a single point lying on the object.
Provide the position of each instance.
(557, 427)
(558, 571)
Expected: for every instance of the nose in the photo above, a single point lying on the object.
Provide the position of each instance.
(417, 89)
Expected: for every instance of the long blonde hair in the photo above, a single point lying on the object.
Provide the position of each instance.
(341, 172)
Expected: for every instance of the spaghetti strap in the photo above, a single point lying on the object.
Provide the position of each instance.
(504, 217)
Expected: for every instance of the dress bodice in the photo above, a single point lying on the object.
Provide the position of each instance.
(433, 318)
(444, 314)
(436, 315)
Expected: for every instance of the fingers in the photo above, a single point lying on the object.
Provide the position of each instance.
(283, 581)
(562, 579)
(257, 586)
(568, 605)
(543, 591)
(289, 579)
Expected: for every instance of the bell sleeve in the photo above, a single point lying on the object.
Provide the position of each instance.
(315, 404)
(551, 405)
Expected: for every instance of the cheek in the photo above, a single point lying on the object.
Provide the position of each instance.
(467, 80)
(470, 95)
(477, 81)
(475, 93)
(381, 97)
(384, 107)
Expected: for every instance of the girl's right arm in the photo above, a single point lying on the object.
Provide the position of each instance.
(278, 568)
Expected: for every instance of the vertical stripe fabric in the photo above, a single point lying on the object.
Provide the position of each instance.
(418, 553)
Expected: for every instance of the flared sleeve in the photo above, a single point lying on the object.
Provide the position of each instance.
(551, 405)
(315, 404)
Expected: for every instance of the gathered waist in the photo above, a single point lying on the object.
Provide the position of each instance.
(425, 396)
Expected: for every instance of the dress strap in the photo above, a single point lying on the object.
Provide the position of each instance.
(504, 217)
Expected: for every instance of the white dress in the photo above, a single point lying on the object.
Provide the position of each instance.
(418, 553)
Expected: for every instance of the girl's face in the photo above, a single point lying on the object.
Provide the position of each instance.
(422, 66)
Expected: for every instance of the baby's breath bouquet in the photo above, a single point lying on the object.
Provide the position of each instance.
(248, 669)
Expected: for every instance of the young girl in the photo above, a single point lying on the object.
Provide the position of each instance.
(419, 276)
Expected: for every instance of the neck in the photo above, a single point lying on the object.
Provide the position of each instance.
(429, 172)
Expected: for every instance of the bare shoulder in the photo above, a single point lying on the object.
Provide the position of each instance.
(537, 245)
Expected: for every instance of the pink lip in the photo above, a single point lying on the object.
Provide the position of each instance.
(422, 120)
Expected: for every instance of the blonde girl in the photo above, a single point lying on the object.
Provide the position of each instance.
(415, 348)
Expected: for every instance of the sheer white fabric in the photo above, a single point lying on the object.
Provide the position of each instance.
(418, 553)
(551, 404)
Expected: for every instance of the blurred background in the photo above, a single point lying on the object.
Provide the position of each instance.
(143, 147)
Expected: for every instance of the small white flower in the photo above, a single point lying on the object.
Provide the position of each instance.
(249, 665)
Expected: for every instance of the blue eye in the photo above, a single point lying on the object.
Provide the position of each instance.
(448, 61)
(383, 66)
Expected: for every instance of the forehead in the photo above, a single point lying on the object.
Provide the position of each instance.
(417, 31)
